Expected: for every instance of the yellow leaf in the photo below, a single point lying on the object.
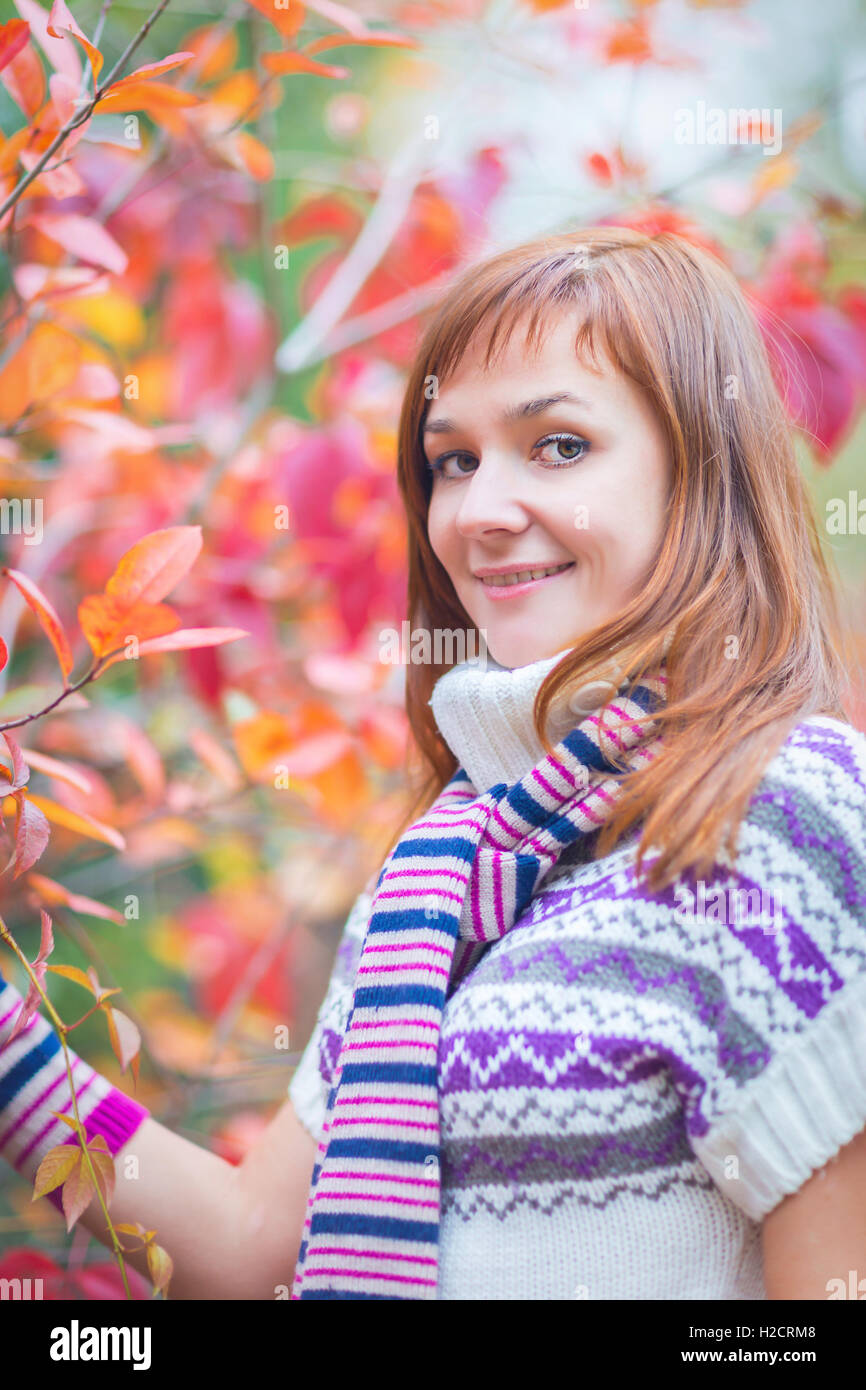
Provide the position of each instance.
(776, 173)
(78, 821)
(55, 1168)
(71, 972)
(160, 1266)
(112, 316)
(67, 1119)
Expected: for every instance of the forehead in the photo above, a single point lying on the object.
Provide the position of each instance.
(548, 362)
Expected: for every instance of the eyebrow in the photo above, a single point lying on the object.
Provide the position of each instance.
(513, 412)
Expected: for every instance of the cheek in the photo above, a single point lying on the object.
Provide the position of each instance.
(440, 532)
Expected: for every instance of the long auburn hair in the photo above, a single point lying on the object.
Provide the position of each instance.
(740, 586)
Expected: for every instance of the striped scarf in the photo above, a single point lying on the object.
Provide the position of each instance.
(458, 879)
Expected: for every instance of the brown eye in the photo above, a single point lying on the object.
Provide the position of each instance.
(571, 447)
(438, 465)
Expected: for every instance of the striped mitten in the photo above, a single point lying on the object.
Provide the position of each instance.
(34, 1081)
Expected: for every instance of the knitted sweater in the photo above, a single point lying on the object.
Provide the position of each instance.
(630, 1082)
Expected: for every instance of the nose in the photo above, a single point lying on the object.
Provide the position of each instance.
(493, 499)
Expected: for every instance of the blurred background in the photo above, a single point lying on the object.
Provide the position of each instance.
(210, 292)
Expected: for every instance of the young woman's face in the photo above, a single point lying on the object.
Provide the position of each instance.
(523, 481)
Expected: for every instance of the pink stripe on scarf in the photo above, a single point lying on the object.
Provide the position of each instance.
(379, 1197)
(407, 965)
(396, 1023)
(390, 1120)
(379, 1177)
(375, 1254)
(417, 893)
(391, 1100)
(365, 1274)
(411, 946)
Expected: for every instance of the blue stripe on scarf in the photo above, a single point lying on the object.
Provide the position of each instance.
(408, 917)
(345, 1223)
(349, 1293)
(382, 996)
(454, 847)
(388, 1071)
(394, 1150)
(28, 1066)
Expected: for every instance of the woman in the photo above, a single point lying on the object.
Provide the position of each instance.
(597, 1029)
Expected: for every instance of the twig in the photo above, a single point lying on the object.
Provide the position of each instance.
(82, 1133)
(84, 114)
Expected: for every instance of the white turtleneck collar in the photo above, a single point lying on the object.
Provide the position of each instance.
(484, 713)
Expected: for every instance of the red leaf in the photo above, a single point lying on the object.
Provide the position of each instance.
(4, 654)
(32, 833)
(13, 37)
(48, 619)
(20, 770)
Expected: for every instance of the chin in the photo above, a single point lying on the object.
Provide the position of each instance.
(523, 653)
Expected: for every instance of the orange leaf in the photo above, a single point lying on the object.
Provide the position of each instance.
(53, 892)
(216, 52)
(46, 363)
(24, 79)
(55, 1168)
(184, 638)
(13, 37)
(373, 37)
(257, 158)
(103, 1163)
(77, 1191)
(61, 22)
(286, 20)
(47, 617)
(125, 1037)
(78, 821)
(628, 42)
(151, 97)
(174, 60)
(152, 567)
(107, 622)
(281, 63)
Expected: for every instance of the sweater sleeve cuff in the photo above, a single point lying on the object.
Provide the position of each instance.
(807, 1104)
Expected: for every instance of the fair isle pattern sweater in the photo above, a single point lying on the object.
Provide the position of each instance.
(630, 1082)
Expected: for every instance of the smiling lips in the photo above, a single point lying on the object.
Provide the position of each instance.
(521, 580)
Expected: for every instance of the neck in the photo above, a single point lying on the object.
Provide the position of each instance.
(484, 713)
